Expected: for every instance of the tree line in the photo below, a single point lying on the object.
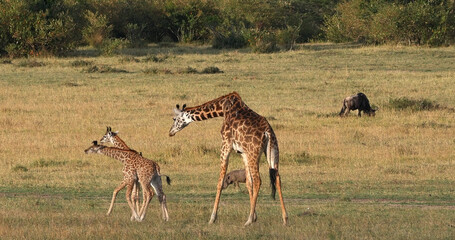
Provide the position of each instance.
(55, 27)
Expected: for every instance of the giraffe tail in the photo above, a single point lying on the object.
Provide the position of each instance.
(157, 185)
(272, 159)
(272, 173)
(168, 179)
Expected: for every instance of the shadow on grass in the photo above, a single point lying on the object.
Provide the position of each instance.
(153, 49)
(330, 46)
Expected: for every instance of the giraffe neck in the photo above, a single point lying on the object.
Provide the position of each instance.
(119, 143)
(214, 108)
(119, 154)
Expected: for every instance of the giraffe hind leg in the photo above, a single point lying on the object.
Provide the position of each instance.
(129, 190)
(157, 186)
(278, 188)
(255, 185)
(145, 202)
(135, 196)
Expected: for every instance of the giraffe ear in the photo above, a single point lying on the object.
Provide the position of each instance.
(177, 111)
(184, 106)
(115, 133)
(95, 143)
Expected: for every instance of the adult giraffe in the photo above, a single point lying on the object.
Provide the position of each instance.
(244, 131)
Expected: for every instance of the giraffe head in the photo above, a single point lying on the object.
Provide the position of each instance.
(95, 148)
(108, 136)
(181, 119)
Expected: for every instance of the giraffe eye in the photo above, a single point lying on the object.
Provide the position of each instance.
(173, 118)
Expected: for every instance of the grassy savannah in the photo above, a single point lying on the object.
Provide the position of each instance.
(386, 177)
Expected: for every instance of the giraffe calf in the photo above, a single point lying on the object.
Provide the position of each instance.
(236, 177)
(135, 168)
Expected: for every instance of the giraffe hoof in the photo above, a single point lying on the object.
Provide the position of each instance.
(285, 220)
(212, 219)
(249, 222)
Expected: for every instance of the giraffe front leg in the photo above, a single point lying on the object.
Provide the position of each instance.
(114, 195)
(225, 151)
(249, 187)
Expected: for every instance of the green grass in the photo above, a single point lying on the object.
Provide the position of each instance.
(384, 177)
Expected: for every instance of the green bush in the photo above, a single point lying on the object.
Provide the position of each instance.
(97, 30)
(229, 40)
(28, 29)
(350, 23)
(287, 38)
(191, 20)
(263, 41)
(148, 15)
(211, 70)
(112, 46)
(134, 35)
(383, 21)
(404, 103)
(383, 27)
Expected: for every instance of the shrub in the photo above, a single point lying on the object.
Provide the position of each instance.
(349, 23)
(383, 27)
(97, 30)
(381, 21)
(127, 59)
(189, 70)
(81, 63)
(133, 35)
(191, 20)
(139, 19)
(157, 71)
(229, 40)
(30, 63)
(263, 41)
(104, 69)
(19, 168)
(25, 30)
(211, 70)
(155, 58)
(288, 37)
(412, 104)
(150, 71)
(111, 46)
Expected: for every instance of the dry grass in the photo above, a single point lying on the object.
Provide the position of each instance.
(388, 177)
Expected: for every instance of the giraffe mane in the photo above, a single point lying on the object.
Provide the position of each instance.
(215, 100)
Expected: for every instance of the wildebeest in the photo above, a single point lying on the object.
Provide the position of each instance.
(360, 102)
